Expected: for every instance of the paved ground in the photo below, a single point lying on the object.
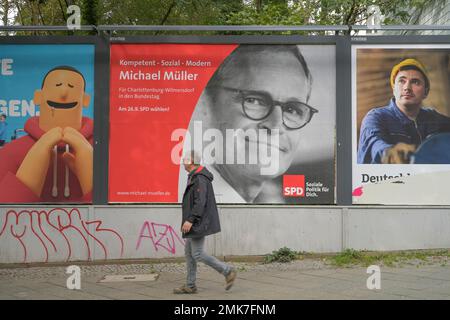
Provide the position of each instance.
(296, 280)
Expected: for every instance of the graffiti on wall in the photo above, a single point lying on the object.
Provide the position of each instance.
(56, 235)
(68, 234)
(162, 236)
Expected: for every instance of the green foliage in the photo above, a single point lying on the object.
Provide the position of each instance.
(90, 12)
(241, 269)
(281, 255)
(173, 12)
(351, 257)
(209, 12)
(323, 12)
(348, 257)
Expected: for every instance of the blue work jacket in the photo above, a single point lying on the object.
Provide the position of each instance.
(386, 126)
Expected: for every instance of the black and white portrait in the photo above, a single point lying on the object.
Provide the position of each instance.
(268, 111)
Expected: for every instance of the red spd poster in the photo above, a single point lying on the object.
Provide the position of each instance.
(153, 92)
(252, 113)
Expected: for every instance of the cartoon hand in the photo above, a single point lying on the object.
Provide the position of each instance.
(399, 153)
(81, 161)
(33, 170)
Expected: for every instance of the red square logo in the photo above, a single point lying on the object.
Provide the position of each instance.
(294, 185)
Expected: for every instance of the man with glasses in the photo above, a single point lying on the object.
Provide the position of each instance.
(258, 88)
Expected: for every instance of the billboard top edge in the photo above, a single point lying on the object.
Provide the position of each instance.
(225, 39)
(399, 39)
(60, 39)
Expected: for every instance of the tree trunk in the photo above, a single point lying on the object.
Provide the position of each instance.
(38, 6)
(5, 12)
(349, 16)
(62, 11)
(166, 16)
(258, 5)
(90, 13)
(34, 14)
(19, 10)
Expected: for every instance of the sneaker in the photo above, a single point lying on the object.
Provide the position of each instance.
(185, 290)
(230, 279)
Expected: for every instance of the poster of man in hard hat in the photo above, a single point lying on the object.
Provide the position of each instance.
(401, 112)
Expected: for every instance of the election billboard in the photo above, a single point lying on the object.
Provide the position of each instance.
(401, 124)
(46, 122)
(261, 118)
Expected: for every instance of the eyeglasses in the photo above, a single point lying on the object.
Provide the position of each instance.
(259, 105)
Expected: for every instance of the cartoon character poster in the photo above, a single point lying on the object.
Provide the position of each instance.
(46, 107)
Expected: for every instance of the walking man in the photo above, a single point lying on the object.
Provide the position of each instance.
(200, 218)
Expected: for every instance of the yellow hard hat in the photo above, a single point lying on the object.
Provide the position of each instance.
(409, 62)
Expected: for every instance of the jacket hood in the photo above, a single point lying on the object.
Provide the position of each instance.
(204, 172)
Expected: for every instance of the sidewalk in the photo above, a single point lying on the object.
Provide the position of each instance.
(296, 280)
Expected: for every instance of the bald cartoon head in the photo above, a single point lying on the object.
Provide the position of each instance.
(62, 98)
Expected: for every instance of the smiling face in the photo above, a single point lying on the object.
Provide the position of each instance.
(409, 89)
(61, 100)
(276, 75)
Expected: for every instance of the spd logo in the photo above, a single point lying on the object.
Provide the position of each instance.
(294, 185)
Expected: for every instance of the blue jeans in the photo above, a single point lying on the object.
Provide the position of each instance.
(194, 252)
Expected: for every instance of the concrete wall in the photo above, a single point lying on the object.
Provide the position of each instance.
(59, 234)
(397, 228)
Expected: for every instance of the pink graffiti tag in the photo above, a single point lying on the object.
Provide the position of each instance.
(162, 236)
(53, 235)
(358, 192)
